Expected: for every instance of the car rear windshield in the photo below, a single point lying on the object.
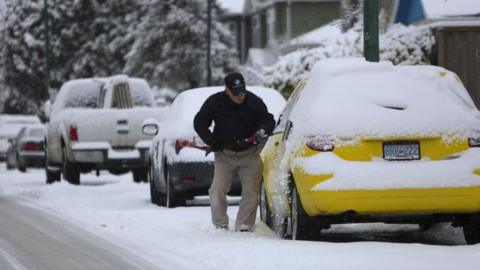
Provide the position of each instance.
(37, 132)
(85, 95)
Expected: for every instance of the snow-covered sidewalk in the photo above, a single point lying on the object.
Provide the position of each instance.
(183, 238)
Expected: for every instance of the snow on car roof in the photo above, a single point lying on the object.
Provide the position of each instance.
(179, 122)
(349, 97)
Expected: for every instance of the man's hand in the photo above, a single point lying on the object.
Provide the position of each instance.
(260, 135)
(216, 145)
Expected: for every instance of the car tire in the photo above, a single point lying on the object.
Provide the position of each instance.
(155, 196)
(303, 227)
(52, 176)
(140, 175)
(471, 230)
(21, 166)
(70, 171)
(172, 198)
(265, 212)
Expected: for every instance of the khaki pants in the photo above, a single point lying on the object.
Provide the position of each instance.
(249, 166)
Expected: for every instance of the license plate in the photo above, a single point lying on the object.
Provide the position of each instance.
(401, 151)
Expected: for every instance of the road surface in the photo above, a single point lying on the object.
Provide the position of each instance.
(31, 239)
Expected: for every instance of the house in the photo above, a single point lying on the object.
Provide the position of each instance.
(267, 24)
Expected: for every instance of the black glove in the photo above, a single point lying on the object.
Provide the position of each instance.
(217, 145)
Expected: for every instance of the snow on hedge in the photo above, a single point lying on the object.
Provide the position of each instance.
(403, 45)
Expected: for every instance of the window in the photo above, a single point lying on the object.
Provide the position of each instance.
(283, 119)
(83, 96)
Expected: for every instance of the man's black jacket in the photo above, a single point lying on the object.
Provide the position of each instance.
(233, 122)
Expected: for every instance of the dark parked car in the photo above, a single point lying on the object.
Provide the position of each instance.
(27, 148)
(179, 166)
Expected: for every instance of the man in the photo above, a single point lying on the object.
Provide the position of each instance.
(242, 121)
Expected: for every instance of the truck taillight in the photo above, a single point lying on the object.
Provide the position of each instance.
(320, 143)
(73, 133)
(31, 147)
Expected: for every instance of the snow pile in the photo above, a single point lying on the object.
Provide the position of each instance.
(119, 79)
(352, 97)
(400, 45)
(349, 175)
(116, 209)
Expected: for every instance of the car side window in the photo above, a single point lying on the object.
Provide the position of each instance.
(283, 119)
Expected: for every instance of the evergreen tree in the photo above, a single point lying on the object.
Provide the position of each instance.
(170, 44)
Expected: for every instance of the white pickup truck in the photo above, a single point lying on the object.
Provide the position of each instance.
(95, 124)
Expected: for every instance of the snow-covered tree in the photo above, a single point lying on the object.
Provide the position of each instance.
(170, 44)
(87, 38)
(402, 45)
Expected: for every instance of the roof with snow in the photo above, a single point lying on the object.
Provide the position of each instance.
(232, 6)
(446, 8)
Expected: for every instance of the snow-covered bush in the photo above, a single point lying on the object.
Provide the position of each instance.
(402, 45)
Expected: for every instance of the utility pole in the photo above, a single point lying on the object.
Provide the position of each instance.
(47, 46)
(209, 42)
(370, 31)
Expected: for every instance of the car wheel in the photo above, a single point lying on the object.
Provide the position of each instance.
(471, 230)
(155, 196)
(173, 199)
(21, 166)
(303, 227)
(140, 175)
(70, 171)
(52, 176)
(265, 213)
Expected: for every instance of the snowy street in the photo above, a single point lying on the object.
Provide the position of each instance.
(119, 211)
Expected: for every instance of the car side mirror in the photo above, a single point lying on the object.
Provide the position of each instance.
(279, 119)
(150, 127)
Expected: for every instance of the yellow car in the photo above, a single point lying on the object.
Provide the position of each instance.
(373, 142)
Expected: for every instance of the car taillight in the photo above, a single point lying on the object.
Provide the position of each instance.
(320, 143)
(181, 143)
(474, 142)
(31, 147)
(73, 133)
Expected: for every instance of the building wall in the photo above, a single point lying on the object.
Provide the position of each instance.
(459, 51)
(311, 15)
(281, 21)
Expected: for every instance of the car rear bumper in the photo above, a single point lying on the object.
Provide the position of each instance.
(32, 159)
(102, 156)
(331, 186)
(392, 202)
(194, 178)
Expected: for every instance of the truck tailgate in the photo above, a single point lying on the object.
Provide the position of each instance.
(122, 128)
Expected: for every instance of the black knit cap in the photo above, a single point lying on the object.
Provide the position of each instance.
(235, 83)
